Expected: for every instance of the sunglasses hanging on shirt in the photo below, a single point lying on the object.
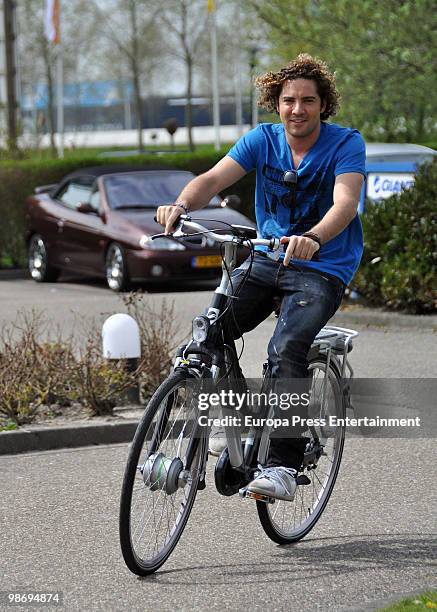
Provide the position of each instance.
(289, 179)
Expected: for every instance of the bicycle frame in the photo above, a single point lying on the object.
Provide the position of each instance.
(226, 359)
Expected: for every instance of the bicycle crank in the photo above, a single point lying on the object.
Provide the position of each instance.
(161, 473)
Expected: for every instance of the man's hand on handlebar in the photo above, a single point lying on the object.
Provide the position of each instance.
(299, 247)
(168, 217)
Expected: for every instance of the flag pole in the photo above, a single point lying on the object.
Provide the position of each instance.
(60, 99)
(237, 80)
(214, 67)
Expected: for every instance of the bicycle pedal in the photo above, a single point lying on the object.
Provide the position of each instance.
(202, 485)
(303, 480)
(245, 494)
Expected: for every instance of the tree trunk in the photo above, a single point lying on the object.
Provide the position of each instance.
(11, 74)
(138, 103)
(420, 122)
(50, 97)
(136, 73)
(189, 107)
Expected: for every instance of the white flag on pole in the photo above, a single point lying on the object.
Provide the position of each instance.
(51, 22)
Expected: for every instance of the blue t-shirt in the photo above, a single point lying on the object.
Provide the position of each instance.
(279, 213)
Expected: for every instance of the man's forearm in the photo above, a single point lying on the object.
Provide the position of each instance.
(335, 221)
(346, 196)
(198, 192)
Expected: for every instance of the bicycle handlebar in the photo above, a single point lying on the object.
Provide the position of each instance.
(184, 221)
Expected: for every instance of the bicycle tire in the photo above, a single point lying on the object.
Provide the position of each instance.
(162, 429)
(301, 515)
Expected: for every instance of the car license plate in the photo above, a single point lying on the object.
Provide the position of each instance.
(206, 261)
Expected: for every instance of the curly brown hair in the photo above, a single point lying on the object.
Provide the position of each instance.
(303, 67)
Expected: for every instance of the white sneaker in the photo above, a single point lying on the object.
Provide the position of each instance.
(277, 482)
(217, 441)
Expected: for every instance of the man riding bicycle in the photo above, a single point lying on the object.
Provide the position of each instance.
(309, 176)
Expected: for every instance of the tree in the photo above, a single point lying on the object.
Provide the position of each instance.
(37, 56)
(33, 44)
(186, 22)
(130, 25)
(382, 54)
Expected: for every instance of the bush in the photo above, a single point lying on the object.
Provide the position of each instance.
(54, 371)
(399, 266)
(44, 372)
(18, 180)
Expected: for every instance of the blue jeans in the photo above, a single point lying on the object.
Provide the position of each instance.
(309, 300)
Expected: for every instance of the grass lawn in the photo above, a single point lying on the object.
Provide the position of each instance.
(426, 601)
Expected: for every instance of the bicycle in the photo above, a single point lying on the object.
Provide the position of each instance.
(168, 456)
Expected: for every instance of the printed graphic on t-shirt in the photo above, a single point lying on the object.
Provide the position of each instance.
(301, 200)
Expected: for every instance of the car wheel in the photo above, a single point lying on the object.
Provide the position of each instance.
(39, 268)
(117, 275)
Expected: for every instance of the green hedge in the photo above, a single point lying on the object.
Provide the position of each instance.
(18, 180)
(399, 266)
(432, 144)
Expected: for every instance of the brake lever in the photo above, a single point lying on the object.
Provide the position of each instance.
(180, 221)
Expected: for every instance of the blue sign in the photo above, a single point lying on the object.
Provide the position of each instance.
(88, 93)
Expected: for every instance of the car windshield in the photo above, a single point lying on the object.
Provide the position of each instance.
(147, 189)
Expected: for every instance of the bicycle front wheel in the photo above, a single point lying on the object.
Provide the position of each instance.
(162, 475)
(284, 521)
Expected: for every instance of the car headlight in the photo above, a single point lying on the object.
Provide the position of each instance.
(160, 244)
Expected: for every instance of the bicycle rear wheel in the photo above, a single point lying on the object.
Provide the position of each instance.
(284, 521)
(164, 466)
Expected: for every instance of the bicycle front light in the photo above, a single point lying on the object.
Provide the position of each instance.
(200, 328)
(160, 244)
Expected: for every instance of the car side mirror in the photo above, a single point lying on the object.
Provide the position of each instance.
(85, 207)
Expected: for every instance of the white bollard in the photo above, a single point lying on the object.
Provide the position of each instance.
(121, 337)
(121, 340)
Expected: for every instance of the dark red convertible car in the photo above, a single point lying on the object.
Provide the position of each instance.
(98, 222)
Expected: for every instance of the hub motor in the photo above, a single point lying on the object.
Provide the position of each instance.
(161, 473)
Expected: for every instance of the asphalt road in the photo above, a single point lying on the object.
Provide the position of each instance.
(375, 540)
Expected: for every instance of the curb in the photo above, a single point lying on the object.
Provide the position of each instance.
(380, 318)
(37, 438)
(13, 273)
